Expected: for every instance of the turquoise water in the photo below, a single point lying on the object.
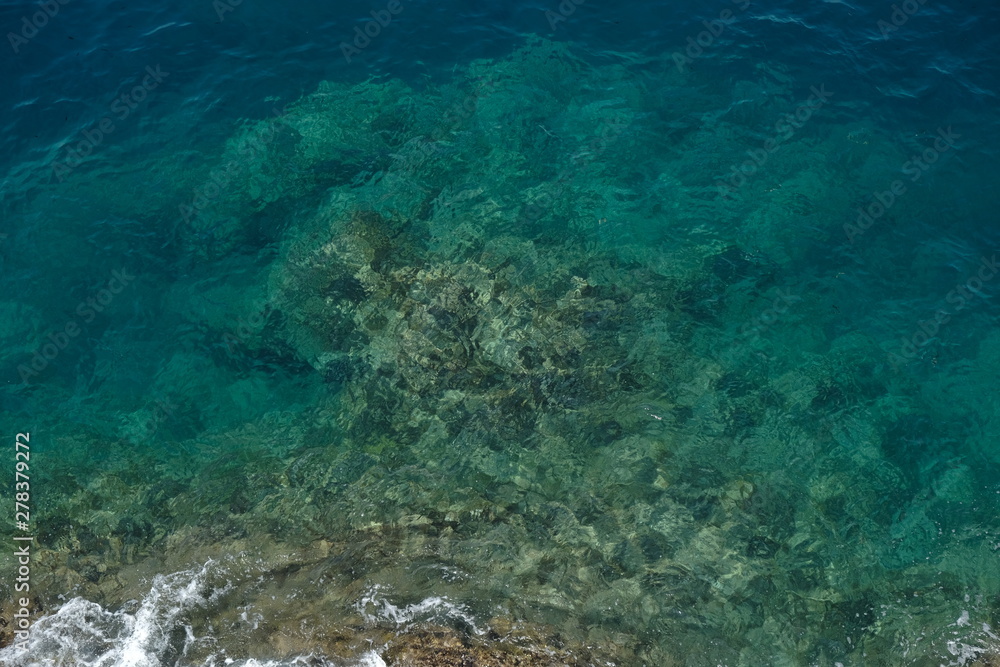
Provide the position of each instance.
(512, 339)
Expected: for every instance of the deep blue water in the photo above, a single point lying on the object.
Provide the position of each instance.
(828, 456)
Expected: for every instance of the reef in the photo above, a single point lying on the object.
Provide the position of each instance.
(500, 341)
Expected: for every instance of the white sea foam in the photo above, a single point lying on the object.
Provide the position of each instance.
(148, 633)
(84, 634)
(369, 659)
(377, 609)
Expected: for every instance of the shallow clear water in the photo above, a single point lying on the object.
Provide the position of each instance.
(514, 337)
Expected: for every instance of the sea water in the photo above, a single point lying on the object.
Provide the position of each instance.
(567, 333)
